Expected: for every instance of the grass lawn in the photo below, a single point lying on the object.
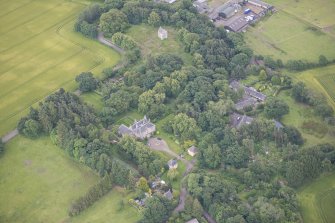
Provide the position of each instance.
(319, 13)
(285, 37)
(93, 99)
(40, 53)
(108, 209)
(321, 80)
(146, 37)
(317, 200)
(38, 181)
(300, 113)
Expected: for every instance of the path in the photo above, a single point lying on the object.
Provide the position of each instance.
(107, 42)
(10, 135)
(161, 145)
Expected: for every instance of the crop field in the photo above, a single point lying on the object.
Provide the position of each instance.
(319, 13)
(317, 200)
(285, 37)
(40, 53)
(38, 181)
(151, 45)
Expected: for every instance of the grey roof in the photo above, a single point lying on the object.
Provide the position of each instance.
(141, 129)
(193, 149)
(161, 30)
(235, 85)
(254, 93)
(124, 130)
(237, 24)
(260, 3)
(172, 162)
(228, 11)
(194, 220)
(278, 124)
(238, 120)
(245, 102)
(168, 195)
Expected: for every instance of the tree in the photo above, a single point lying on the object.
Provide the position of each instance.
(275, 80)
(300, 93)
(142, 184)
(113, 21)
(86, 82)
(32, 128)
(323, 61)
(157, 209)
(154, 19)
(172, 174)
(275, 108)
(184, 127)
(212, 156)
(2, 147)
(262, 75)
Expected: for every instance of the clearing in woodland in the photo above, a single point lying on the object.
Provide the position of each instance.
(40, 53)
(38, 181)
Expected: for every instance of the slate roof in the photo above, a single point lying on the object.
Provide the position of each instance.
(123, 130)
(193, 149)
(194, 220)
(245, 102)
(238, 120)
(172, 163)
(237, 24)
(140, 129)
(168, 194)
(254, 93)
(278, 124)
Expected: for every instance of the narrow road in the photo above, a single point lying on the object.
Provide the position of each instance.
(10, 135)
(105, 41)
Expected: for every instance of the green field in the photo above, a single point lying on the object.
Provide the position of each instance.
(146, 37)
(40, 53)
(300, 114)
(285, 37)
(318, 200)
(108, 209)
(321, 80)
(320, 13)
(38, 181)
(93, 99)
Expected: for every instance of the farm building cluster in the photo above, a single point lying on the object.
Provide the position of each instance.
(234, 15)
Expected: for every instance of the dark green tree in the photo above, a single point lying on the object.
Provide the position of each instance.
(86, 82)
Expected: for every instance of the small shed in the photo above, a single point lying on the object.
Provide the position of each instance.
(162, 33)
(173, 164)
(192, 151)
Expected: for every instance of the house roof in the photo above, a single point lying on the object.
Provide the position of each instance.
(238, 120)
(278, 124)
(252, 92)
(124, 130)
(194, 220)
(193, 149)
(161, 30)
(260, 3)
(168, 194)
(245, 102)
(237, 24)
(172, 162)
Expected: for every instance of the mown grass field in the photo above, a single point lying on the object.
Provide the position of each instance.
(317, 200)
(284, 36)
(38, 181)
(93, 99)
(321, 80)
(146, 37)
(319, 13)
(40, 53)
(109, 209)
(301, 116)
